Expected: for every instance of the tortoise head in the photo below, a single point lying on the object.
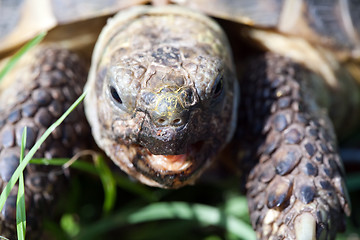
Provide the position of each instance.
(162, 94)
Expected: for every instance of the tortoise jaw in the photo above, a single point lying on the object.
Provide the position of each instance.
(176, 162)
(165, 140)
(172, 171)
(169, 162)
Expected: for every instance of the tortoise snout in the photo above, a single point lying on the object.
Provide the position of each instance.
(169, 111)
(173, 120)
(169, 107)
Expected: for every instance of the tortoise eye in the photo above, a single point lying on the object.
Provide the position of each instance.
(115, 95)
(217, 89)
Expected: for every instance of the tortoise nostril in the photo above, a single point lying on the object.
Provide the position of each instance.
(176, 121)
(161, 120)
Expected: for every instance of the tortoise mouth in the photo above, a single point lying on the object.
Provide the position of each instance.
(175, 163)
(172, 171)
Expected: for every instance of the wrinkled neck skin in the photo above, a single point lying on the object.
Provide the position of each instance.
(162, 94)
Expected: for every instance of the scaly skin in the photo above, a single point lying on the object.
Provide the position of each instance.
(149, 97)
(296, 189)
(151, 68)
(41, 94)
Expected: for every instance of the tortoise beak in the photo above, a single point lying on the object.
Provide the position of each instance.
(168, 125)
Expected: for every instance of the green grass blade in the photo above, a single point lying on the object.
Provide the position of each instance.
(80, 165)
(15, 58)
(20, 201)
(69, 225)
(108, 182)
(203, 214)
(122, 181)
(5, 193)
(237, 206)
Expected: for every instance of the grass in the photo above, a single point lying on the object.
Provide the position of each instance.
(20, 202)
(19, 170)
(109, 204)
(14, 59)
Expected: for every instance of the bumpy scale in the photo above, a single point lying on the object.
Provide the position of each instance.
(296, 189)
(47, 86)
(172, 70)
(162, 110)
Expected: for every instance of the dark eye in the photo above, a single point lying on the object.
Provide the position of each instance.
(217, 89)
(115, 96)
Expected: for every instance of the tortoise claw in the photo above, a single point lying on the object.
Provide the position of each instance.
(305, 227)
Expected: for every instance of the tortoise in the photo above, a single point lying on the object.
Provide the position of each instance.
(164, 102)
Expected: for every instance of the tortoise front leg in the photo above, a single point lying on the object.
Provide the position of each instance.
(49, 83)
(296, 188)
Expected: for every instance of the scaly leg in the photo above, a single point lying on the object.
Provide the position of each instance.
(296, 186)
(41, 93)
